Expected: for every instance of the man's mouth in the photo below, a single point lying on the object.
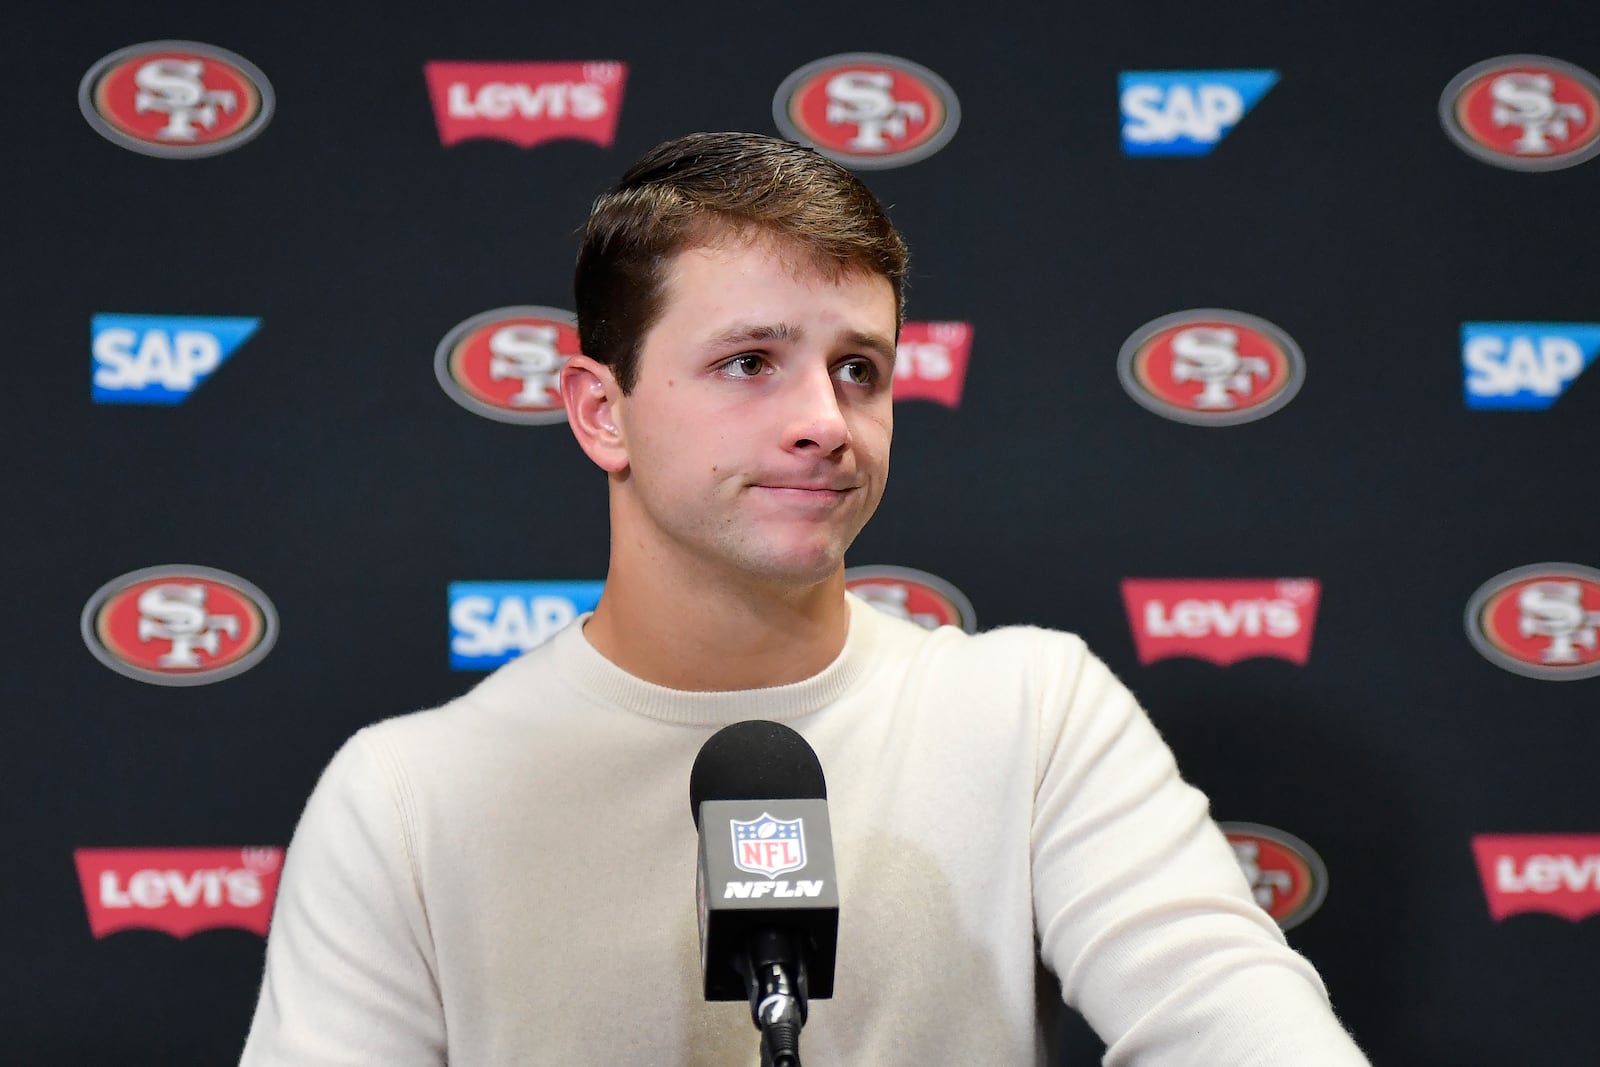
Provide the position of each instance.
(811, 487)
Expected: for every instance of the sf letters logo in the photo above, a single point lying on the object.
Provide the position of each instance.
(865, 99)
(1526, 100)
(1209, 356)
(177, 613)
(526, 353)
(173, 87)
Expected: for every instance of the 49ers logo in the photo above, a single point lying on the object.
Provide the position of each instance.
(506, 364)
(1211, 367)
(1286, 877)
(179, 625)
(867, 110)
(1540, 621)
(1524, 112)
(176, 99)
(916, 596)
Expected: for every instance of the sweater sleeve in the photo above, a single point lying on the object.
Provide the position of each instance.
(350, 976)
(1141, 908)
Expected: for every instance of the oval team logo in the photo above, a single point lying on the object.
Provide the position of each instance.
(1211, 367)
(176, 99)
(916, 596)
(1287, 878)
(867, 110)
(179, 625)
(1540, 621)
(506, 364)
(1524, 112)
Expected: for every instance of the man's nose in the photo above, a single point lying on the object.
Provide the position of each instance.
(816, 421)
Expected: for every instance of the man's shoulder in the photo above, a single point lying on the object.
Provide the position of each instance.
(1003, 647)
(499, 710)
(423, 728)
(1023, 660)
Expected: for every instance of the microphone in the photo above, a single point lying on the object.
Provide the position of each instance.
(765, 885)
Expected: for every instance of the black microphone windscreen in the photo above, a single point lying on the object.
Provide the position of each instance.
(755, 760)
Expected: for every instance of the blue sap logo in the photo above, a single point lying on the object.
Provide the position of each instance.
(494, 622)
(160, 359)
(1523, 365)
(1185, 112)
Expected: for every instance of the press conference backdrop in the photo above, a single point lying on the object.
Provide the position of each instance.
(1251, 342)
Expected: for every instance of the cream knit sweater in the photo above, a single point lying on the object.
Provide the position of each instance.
(509, 879)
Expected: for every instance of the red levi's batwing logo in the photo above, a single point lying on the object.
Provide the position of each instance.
(931, 362)
(178, 891)
(1554, 873)
(1223, 620)
(527, 103)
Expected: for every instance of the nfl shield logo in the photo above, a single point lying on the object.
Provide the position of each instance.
(768, 846)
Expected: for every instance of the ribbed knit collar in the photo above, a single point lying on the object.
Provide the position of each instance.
(605, 682)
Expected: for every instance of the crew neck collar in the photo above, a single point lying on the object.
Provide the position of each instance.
(609, 684)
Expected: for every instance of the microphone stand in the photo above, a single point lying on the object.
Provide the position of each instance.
(775, 974)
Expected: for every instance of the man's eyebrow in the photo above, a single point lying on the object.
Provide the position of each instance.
(875, 343)
(746, 332)
(753, 333)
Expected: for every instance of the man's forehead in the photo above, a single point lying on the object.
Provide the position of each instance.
(716, 240)
(719, 321)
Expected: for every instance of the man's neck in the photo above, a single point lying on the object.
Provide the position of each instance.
(710, 635)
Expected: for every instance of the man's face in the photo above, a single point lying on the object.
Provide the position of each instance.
(757, 433)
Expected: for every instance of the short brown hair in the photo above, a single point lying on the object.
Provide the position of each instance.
(697, 189)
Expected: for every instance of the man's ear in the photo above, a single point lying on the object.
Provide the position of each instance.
(590, 392)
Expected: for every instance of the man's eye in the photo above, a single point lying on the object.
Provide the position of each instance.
(745, 366)
(857, 372)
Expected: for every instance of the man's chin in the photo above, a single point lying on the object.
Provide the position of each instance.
(784, 558)
(797, 569)
(801, 577)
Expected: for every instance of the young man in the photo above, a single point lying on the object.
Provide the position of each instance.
(509, 879)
